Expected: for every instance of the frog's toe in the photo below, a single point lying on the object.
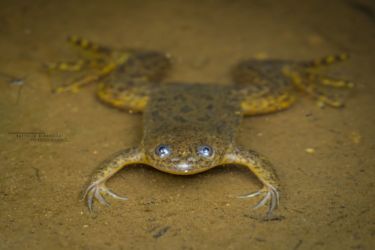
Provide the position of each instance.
(271, 195)
(116, 196)
(250, 195)
(96, 191)
(335, 82)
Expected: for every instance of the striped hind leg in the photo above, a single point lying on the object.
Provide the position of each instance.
(128, 94)
(264, 88)
(72, 66)
(71, 76)
(129, 86)
(95, 63)
(88, 47)
(64, 75)
(267, 101)
(325, 61)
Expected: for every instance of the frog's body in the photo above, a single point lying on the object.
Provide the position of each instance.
(185, 117)
(190, 128)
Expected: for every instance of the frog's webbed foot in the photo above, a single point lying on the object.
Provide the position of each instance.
(263, 169)
(97, 190)
(97, 187)
(326, 90)
(71, 76)
(96, 62)
(270, 195)
(93, 63)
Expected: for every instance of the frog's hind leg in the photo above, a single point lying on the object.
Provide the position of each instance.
(66, 75)
(71, 76)
(130, 94)
(263, 169)
(128, 87)
(89, 48)
(307, 78)
(325, 61)
(264, 88)
(72, 66)
(95, 62)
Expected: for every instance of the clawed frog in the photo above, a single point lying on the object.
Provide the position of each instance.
(189, 128)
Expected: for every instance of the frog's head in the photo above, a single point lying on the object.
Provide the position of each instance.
(184, 153)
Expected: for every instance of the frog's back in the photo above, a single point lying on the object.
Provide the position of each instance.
(193, 108)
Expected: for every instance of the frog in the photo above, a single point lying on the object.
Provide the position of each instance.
(190, 128)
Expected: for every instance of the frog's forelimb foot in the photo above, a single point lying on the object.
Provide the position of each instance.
(263, 169)
(270, 194)
(96, 190)
(97, 187)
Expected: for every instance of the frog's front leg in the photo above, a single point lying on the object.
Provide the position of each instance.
(263, 169)
(107, 169)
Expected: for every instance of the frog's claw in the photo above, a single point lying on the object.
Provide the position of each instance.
(95, 190)
(270, 194)
(263, 169)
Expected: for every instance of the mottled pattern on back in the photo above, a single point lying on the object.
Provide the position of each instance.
(190, 128)
(211, 109)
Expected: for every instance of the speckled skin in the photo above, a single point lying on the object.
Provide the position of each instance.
(184, 116)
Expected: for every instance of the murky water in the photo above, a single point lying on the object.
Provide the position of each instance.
(51, 143)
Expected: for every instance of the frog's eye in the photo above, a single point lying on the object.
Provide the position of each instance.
(163, 151)
(205, 151)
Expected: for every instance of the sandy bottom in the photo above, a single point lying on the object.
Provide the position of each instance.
(327, 194)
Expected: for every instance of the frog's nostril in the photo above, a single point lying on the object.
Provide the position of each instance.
(191, 159)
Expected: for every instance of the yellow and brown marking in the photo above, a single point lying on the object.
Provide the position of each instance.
(100, 62)
(181, 119)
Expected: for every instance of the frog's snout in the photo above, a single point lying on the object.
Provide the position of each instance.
(182, 163)
(184, 166)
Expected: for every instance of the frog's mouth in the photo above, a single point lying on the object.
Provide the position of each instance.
(183, 166)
